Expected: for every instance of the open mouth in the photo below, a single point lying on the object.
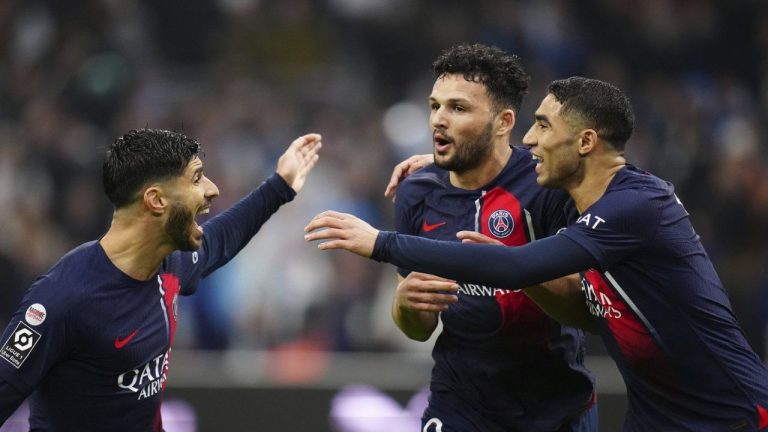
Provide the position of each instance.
(201, 211)
(539, 160)
(441, 142)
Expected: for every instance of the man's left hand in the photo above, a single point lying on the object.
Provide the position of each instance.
(296, 163)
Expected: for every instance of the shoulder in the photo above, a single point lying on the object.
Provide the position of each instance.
(64, 283)
(414, 188)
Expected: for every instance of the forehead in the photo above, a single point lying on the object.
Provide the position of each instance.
(549, 107)
(194, 164)
(455, 86)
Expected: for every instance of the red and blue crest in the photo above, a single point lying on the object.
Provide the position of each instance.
(501, 223)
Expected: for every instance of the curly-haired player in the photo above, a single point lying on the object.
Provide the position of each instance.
(501, 364)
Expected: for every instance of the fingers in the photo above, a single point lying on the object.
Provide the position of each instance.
(307, 140)
(404, 169)
(425, 292)
(322, 220)
(394, 179)
(476, 237)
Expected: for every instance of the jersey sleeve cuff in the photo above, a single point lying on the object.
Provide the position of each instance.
(381, 246)
(282, 189)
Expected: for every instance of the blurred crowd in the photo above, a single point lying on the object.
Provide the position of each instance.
(246, 77)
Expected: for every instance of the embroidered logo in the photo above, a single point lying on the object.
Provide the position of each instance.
(19, 344)
(501, 223)
(119, 343)
(427, 227)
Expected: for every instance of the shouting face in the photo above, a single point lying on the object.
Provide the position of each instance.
(191, 195)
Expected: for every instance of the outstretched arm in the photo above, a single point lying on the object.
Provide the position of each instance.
(227, 233)
(493, 265)
(418, 300)
(561, 299)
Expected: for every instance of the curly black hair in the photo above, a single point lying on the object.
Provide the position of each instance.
(502, 74)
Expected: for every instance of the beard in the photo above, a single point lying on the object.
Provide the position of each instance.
(469, 154)
(179, 228)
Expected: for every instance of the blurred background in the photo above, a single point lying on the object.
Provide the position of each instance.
(284, 323)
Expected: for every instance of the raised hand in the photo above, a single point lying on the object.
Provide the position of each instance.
(343, 231)
(299, 159)
(404, 169)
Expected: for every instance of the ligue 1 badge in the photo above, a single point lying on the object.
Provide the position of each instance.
(35, 314)
(501, 223)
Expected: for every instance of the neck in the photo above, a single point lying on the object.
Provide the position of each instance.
(136, 245)
(485, 171)
(594, 180)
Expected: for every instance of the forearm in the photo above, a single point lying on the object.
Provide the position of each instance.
(417, 325)
(563, 300)
(493, 265)
(227, 233)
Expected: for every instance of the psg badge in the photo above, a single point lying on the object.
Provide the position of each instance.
(501, 223)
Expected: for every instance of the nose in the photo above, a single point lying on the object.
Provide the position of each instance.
(211, 190)
(530, 138)
(437, 119)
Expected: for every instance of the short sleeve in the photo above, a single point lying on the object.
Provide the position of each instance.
(617, 225)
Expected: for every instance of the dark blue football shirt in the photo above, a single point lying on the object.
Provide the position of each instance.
(500, 362)
(92, 345)
(662, 310)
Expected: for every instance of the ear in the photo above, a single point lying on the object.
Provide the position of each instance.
(587, 141)
(505, 121)
(155, 200)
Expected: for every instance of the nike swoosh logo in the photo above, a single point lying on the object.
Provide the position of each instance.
(119, 343)
(427, 227)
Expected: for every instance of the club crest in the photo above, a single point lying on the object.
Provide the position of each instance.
(501, 223)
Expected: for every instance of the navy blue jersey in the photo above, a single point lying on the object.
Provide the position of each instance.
(661, 308)
(93, 345)
(500, 361)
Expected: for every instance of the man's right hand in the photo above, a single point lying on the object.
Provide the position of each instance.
(425, 293)
(404, 169)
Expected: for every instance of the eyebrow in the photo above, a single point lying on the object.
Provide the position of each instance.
(541, 118)
(452, 100)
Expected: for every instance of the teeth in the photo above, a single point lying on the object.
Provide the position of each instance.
(536, 158)
(204, 211)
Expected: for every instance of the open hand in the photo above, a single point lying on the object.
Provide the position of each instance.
(296, 163)
(343, 231)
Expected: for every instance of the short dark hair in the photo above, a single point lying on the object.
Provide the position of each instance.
(143, 156)
(502, 74)
(599, 105)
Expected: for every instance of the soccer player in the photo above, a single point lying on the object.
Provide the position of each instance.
(91, 341)
(656, 299)
(501, 363)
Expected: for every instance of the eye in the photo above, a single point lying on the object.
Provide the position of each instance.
(459, 108)
(434, 106)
